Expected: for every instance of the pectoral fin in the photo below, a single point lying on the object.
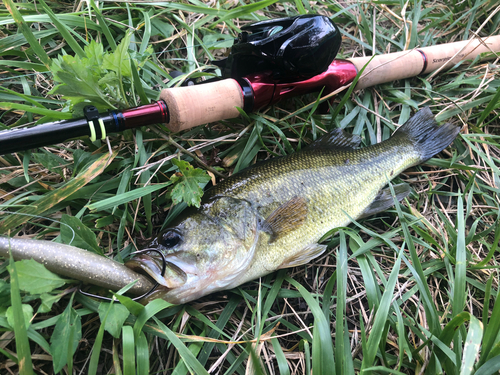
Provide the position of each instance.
(305, 256)
(384, 199)
(287, 217)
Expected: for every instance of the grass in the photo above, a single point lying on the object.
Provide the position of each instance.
(412, 290)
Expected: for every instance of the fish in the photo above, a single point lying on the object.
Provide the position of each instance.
(271, 216)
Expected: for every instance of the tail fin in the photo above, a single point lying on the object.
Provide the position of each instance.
(424, 133)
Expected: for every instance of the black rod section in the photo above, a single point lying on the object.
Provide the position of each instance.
(48, 134)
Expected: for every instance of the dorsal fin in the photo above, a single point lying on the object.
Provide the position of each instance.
(337, 138)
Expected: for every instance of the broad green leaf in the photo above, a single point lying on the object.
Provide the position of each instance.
(119, 60)
(187, 183)
(34, 278)
(113, 317)
(47, 300)
(65, 338)
(135, 308)
(79, 81)
(27, 313)
(75, 233)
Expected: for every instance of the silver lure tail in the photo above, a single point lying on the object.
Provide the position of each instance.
(75, 263)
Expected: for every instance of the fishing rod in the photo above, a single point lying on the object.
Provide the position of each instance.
(269, 61)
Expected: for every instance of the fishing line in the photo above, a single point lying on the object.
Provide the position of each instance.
(42, 217)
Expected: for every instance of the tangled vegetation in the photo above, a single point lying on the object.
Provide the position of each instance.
(411, 290)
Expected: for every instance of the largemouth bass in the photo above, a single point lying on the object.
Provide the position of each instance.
(271, 216)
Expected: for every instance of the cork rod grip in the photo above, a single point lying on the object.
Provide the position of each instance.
(400, 65)
(200, 104)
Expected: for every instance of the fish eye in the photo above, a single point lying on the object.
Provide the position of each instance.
(170, 238)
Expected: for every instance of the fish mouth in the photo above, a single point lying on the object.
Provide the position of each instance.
(163, 272)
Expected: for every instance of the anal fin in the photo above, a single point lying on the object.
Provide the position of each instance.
(384, 199)
(304, 256)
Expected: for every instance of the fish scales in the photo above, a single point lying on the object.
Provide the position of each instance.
(267, 217)
(271, 215)
(338, 184)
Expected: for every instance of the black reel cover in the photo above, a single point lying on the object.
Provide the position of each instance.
(292, 48)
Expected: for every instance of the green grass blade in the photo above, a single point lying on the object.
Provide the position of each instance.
(383, 370)
(418, 274)
(280, 357)
(104, 25)
(129, 196)
(491, 367)
(489, 108)
(64, 31)
(323, 360)
(56, 115)
(214, 333)
(486, 303)
(142, 354)
(25, 29)
(491, 332)
(149, 310)
(138, 84)
(96, 348)
(20, 331)
(307, 356)
(300, 7)
(381, 317)
(56, 196)
(246, 10)
(128, 350)
(181, 367)
(40, 68)
(459, 283)
(472, 346)
(188, 357)
(342, 353)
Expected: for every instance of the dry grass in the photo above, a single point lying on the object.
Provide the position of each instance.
(451, 214)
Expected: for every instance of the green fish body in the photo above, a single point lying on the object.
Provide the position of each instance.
(272, 215)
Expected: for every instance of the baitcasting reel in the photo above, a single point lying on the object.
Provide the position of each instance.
(291, 48)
